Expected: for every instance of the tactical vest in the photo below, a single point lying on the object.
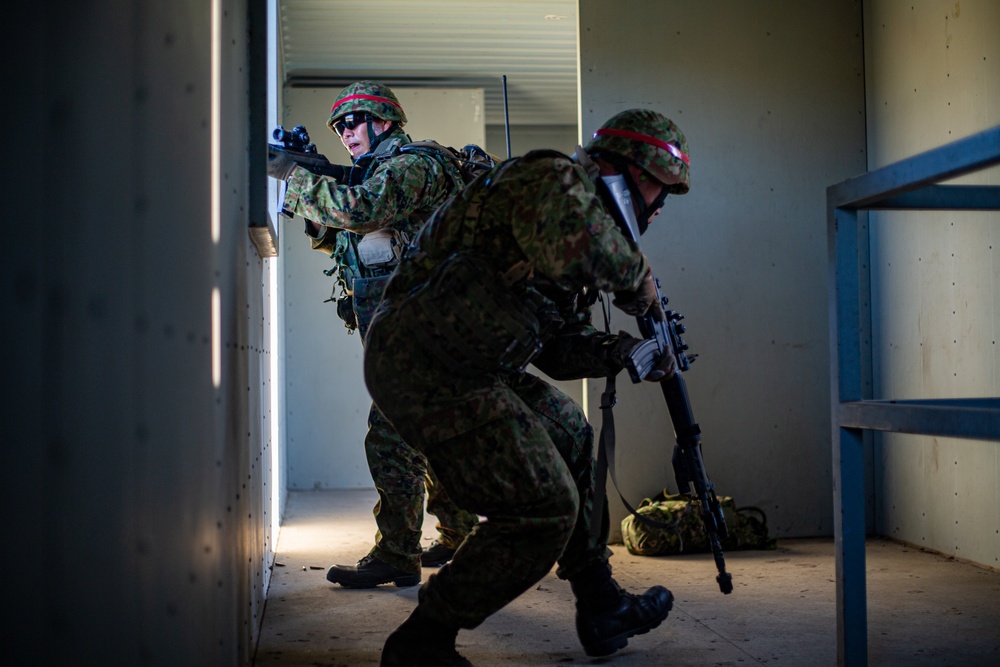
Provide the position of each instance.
(363, 262)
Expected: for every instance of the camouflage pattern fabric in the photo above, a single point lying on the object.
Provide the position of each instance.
(504, 443)
(746, 527)
(370, 96)
(400, 193)
(664, 153)
(401, 476)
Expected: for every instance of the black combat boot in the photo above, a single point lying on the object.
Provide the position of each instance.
(422, 642)
(370, 572)
(436, 555)
(606, 616)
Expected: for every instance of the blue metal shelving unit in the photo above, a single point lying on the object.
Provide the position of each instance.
(910, 184)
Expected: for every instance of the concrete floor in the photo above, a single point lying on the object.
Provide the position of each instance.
(924, 609)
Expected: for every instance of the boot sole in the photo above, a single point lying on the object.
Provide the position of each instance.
(618, 642)
(400, 582)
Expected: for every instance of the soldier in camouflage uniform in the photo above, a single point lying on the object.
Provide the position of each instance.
(363, 228)
(503, 275)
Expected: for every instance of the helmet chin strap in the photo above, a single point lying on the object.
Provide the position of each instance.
(375, 139)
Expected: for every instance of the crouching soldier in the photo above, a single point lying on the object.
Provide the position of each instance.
(503, 275)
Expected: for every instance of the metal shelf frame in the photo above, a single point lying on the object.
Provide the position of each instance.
(910, 184)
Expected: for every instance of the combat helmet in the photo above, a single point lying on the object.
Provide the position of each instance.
(651, 141)
(367, 96)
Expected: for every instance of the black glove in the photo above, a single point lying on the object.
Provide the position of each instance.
(644, 301)
(619, 352)
(279, 166)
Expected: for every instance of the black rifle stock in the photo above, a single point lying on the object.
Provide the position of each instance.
(689, 468)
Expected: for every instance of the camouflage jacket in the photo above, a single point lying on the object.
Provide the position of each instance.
(540, 231)
(400, 192)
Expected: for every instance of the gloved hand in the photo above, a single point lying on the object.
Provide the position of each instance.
(665, 366)
(644, 301)
(279, 166)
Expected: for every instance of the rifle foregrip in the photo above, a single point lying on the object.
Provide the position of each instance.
(675, 393)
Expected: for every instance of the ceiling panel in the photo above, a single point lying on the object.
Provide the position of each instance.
(441, 43)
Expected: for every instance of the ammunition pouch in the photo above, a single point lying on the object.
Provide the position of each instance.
(471, 320)
(367, 297)
(381, 248)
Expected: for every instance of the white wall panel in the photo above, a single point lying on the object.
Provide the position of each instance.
(933, 76)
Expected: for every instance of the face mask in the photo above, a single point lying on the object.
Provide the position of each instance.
(623, 200)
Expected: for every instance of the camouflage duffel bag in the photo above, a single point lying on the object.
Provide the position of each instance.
(747, 527)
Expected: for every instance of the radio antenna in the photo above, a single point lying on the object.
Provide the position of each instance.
(506, 114)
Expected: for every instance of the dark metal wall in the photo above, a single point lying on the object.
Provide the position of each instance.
(134, 484)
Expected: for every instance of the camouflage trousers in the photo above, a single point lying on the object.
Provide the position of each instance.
(401, 476)
(511, 448)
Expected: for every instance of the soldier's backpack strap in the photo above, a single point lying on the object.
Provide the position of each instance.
(429, 145)
(469, 162)
(445, 155)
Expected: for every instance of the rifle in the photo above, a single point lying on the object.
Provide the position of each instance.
(689, 468)
(295, 144)
(662, 337)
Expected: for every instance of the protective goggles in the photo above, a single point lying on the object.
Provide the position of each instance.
(350, 121)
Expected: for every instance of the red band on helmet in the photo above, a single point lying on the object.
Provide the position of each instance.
(646, 139)
(374, 98)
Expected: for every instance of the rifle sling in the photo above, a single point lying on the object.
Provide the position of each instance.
(606, 466)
